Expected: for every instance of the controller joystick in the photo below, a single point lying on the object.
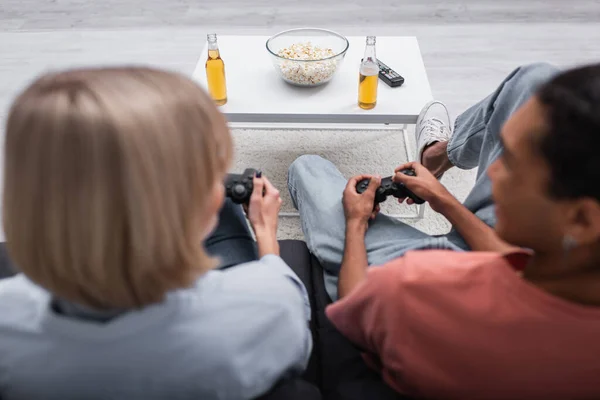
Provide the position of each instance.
(390, 188)
(238, 187)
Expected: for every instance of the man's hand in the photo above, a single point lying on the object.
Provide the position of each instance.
(359, 208)
(424, 184)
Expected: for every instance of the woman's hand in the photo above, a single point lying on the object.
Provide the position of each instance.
(358, 207)
(263, 213)
(424, 184)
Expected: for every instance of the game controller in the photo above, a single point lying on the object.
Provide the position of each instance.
(238, 187)
(389, 187)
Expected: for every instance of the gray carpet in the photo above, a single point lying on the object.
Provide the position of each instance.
(352, 151)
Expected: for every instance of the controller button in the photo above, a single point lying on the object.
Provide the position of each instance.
(239, 190)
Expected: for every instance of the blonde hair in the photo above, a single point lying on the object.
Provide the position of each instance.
(107, 177)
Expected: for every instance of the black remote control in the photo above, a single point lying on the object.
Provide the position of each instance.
(389, 76)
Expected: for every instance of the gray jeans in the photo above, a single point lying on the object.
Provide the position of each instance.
(316, 185)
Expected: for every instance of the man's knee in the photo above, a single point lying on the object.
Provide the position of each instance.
(302, 164)
(530, 77)
(300, 172)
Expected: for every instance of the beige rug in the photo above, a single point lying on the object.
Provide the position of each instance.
(352, 151)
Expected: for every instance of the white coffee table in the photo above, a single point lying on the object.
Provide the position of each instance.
(258, 96)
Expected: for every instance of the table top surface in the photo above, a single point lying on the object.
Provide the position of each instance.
(256, 93)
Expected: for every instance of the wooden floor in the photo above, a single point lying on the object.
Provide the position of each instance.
(85, 14)
(467, 45)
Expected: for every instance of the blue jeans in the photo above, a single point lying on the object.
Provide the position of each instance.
(316, 185)
(231, 241)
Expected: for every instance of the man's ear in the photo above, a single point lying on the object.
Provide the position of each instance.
(584, 221)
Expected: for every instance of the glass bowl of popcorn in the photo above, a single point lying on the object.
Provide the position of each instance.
(307, 56)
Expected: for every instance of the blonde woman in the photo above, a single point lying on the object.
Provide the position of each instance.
(113, 179)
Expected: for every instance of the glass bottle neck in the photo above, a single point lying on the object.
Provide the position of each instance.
(212, 42)
(370, 49)
(370, 53)
(213, 47)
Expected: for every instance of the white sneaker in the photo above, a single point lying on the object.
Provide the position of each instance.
(433, 125)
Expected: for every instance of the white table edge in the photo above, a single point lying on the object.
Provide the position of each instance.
(321, 118)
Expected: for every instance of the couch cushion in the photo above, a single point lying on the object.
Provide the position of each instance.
(293, 389)
(296, 255)
(343, 372)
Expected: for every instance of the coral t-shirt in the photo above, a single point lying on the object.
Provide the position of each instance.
(451, 325)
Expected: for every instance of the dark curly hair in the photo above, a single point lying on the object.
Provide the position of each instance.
(572, 144)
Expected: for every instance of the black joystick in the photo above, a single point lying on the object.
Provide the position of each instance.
(238, 187)
(390, 188)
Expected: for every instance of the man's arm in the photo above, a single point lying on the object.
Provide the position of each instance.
(478, 235)
(354, 261)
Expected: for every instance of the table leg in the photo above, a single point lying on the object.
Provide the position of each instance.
(411, 156)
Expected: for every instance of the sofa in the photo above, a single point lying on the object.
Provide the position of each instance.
(335, 366)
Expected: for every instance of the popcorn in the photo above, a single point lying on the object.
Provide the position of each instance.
(305, 51)
(307, 73)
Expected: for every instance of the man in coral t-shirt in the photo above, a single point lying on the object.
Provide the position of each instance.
(496, 322)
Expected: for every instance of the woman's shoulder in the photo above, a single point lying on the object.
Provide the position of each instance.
(254, 297)
(263, 289)
(257, 302)
(20, 300)
(268, 277)
(19, 288)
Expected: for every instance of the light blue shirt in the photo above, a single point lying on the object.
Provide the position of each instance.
(231, 336)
